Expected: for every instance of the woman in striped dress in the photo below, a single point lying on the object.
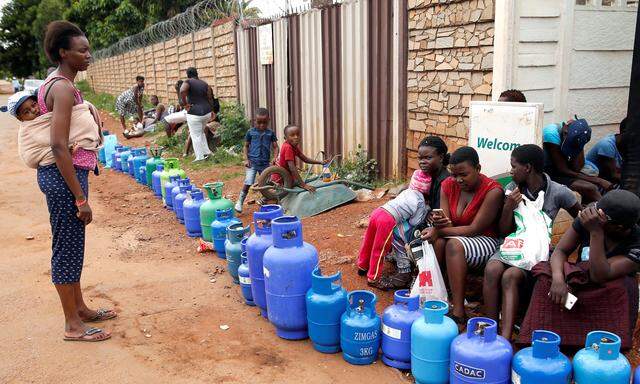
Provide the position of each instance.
(465, 234)
(129, 102)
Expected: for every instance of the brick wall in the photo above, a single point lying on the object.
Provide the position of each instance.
(450, 64)
(211, 50)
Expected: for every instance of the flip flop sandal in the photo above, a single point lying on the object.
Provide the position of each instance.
(101, 315)
(86, 336)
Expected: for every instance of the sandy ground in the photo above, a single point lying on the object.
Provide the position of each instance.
(140, 262)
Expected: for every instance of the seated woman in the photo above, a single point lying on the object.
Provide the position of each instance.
(433, 158)
(607, 237)
(465, 232)
(527, 164)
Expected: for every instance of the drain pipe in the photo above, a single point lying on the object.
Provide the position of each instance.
(631, 137)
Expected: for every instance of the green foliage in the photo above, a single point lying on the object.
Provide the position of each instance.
(103, 101)
(175, 143)
(48, 11)
(106, 21)
(18, 47)
(234, 125)
(357, 167)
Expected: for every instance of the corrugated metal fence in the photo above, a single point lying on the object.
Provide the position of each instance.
(339, 73)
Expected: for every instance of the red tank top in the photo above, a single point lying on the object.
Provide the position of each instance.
(452, 190)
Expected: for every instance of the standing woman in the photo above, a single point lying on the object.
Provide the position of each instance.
(197, 97)
(65, 183)
(129, 102)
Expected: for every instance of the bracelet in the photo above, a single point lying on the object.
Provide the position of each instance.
(80, 203)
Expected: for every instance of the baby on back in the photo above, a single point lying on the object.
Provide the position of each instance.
(24, 106)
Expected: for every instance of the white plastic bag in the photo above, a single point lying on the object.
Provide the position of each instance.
(529, 244)
(429, 284)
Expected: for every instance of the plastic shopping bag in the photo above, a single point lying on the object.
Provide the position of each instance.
(529, 244)
(429, 284)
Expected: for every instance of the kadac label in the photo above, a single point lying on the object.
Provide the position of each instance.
(468, 371)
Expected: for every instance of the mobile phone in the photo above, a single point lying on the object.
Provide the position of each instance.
(438, 211)
(570, 301)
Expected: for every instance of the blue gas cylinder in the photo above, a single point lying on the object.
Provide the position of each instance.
(191, 211)
(155, 181)
(636, 376)
(109, 146)
(360, 328)
(116, 150)
(601, 361)
(245, 279)
(235, 233)
(179, 199)
(118, 157)
(431, 338)
(397, 320)
(287, 267)
(224, 218)
(480, 355)
(542, 362)
(174, 192)
(243, 244)
(257, 244)
(140, 160)
(326, 301)
(168, 187)
(130, 165)
(142, 174)
(124, 159)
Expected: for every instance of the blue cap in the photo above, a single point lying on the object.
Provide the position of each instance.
(15, 101)
(578, 135)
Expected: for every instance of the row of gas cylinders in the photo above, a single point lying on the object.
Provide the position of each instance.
(278, 272)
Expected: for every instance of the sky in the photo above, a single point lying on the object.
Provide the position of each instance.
(271, 7)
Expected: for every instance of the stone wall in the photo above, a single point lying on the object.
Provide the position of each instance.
(211, 50)
(450, 64)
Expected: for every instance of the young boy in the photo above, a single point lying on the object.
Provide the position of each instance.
(259, 143)
(23, 106)
(288, 154)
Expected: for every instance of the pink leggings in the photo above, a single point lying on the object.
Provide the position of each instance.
(377, 242)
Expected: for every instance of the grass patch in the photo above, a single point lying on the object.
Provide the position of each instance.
(105, 101)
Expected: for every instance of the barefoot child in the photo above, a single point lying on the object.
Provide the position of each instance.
(259, 144)
(409, 206)
(288, 154)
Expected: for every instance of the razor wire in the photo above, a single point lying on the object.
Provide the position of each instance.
(193, 19)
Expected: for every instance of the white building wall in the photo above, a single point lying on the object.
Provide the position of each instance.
(572, 55)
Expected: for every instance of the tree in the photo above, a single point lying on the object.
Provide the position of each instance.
(48, 11)
(18, 48)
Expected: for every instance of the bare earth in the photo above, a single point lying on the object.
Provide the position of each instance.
(140, 262)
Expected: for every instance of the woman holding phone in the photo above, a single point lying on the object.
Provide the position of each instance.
(465, 232)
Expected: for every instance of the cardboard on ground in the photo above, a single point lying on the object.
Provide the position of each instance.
(497, 128)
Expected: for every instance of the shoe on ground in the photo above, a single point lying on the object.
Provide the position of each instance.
(238, 207)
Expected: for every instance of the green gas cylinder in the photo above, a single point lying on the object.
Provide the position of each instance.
(152, 162)
(171, 167)
(209, 207)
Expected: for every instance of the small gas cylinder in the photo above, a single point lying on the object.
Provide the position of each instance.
(245, 280)
(326, 301)
(224, 218)
(542, 362)
(191, 211)
(360, 328)
(235, 233)
(601, 361)
(155, 181)
(168, 187)
(397, 320)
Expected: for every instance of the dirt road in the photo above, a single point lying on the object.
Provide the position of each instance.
(139, 261)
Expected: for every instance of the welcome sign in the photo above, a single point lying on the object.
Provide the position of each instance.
(497, 128)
